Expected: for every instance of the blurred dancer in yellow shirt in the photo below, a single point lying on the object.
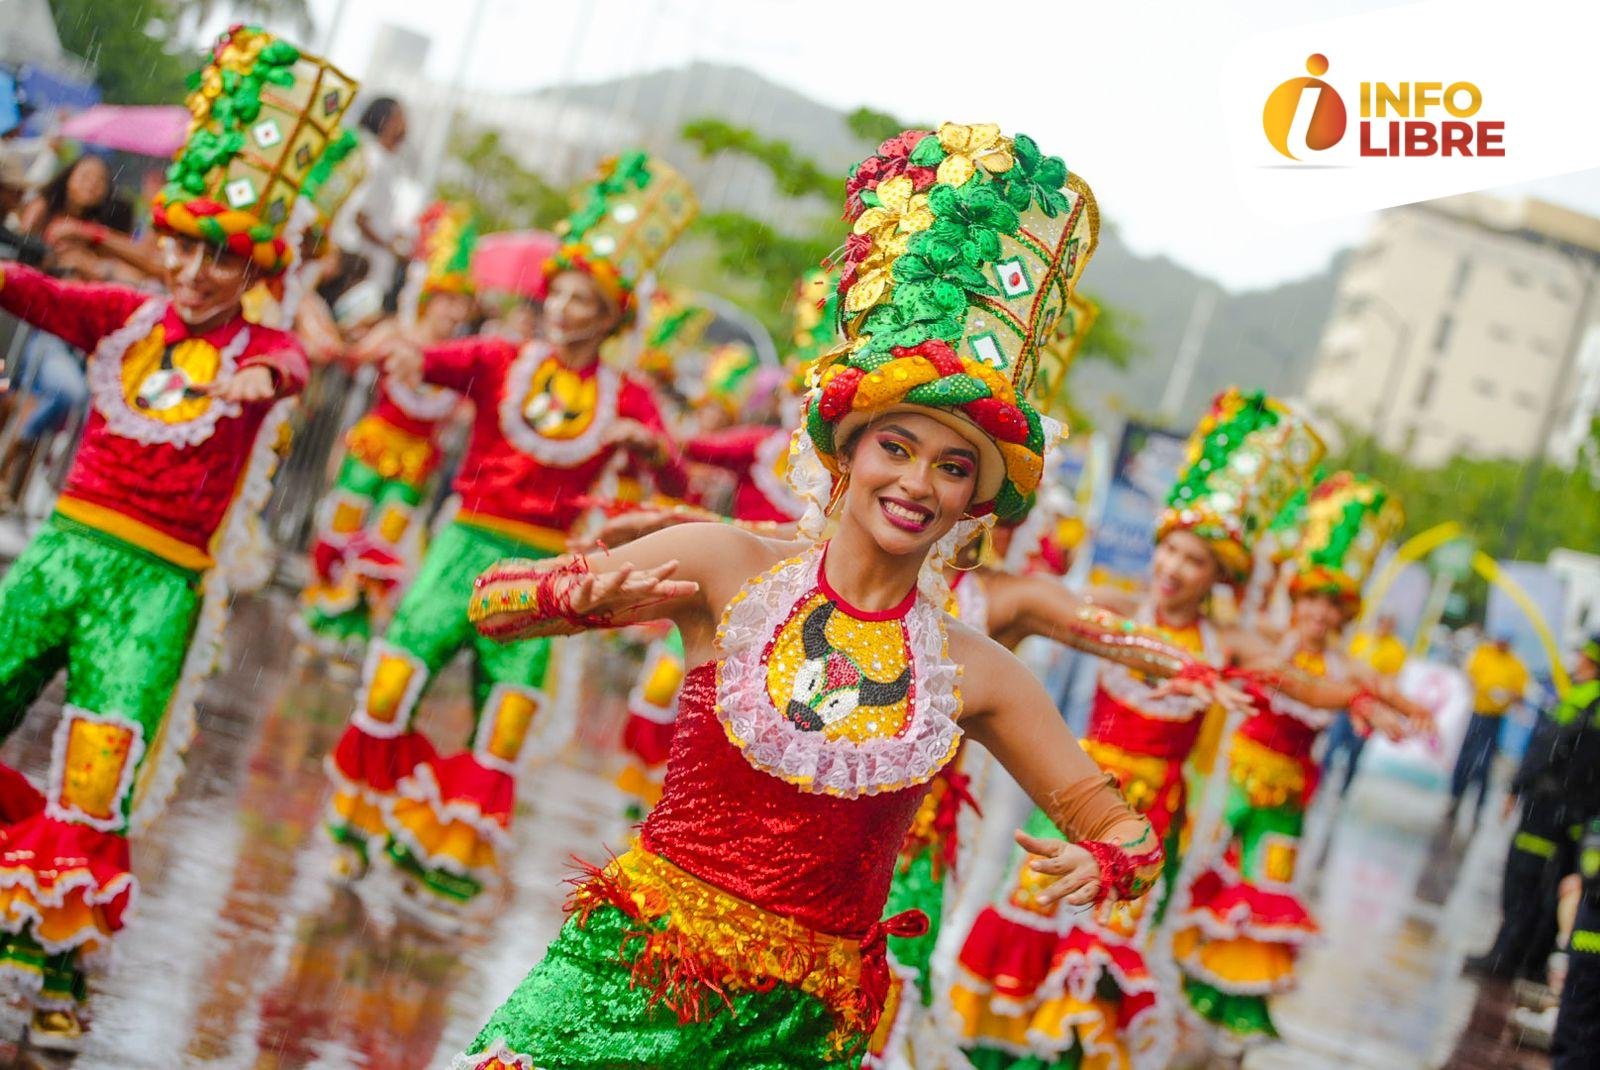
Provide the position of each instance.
(1499, 679)
(1384, 651)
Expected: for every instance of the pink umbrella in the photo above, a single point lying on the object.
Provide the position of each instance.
(510, 261)
(150, 130)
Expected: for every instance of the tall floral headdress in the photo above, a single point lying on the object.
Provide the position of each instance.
(1245, 459)
(447, 235)
(1348, 519)
(625, 222)
(964, 249)
(264, 133)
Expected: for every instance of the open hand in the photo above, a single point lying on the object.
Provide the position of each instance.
(634, 436)
(1218, 691)
(403, 363)
(1075, 869)
(626, 591)
(252, 384)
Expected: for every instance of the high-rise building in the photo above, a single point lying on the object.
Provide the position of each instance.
(1458, 329)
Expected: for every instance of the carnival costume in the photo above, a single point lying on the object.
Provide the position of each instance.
(1241, 923)
(1045, 986)
(366, 540)
(125, 586)
(537, 449)
(744, 929)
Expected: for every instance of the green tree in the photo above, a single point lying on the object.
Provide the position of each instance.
(875, 126)
(1589, 453)
(794, 175)
(126, 44)
(755, 263)
(505, 194)
(1482, 495)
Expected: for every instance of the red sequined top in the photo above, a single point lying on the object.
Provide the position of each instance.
(172, 467)
(822, 860)
(1281, 732)
(513, 471)
(1124, 715)
(387, 409)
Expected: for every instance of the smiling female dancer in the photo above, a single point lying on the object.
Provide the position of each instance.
(742, 927)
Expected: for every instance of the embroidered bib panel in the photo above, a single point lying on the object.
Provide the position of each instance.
(553, 414)
(149, 391)
(830, 699)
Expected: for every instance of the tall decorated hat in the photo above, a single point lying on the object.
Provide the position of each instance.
(673, 326)
(264, 116)
(730, 376)
(624, 223)
(1245, 459)
(1348, 519)
(1057, 356)
(964, 249)
(447, 234)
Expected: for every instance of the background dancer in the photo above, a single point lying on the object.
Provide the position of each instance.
(126, 584)
(551, 423)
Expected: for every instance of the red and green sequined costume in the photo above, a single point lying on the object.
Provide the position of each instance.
(536, 452)
(365, 530)
(123, 588)
(1239, 926)
(1041, 986)
(743, 928)
(758, 457)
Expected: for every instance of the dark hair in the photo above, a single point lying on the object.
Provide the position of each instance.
(349, 269)
(376, 114)
(106, 212)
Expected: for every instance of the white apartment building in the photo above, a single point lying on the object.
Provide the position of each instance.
(1459, 327)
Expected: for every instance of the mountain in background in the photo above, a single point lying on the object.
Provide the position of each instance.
(1260, 338)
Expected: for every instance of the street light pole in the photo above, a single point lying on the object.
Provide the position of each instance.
(1397, 363)
(1534, 468)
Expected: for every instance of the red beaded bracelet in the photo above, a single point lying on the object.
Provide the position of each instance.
(1119, 868)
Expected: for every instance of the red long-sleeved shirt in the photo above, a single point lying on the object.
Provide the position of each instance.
(739, 450)
(544, 480)
(163, 484)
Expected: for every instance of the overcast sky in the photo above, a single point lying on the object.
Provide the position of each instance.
(1125, 93)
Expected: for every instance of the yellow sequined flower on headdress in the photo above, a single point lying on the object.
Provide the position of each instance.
(899, 213)
(969, 147)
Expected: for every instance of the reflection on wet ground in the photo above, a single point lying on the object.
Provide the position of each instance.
(242, 955)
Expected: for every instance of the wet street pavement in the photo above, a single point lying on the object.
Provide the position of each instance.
(242, 955)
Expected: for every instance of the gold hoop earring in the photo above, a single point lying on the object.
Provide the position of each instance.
(838, 494)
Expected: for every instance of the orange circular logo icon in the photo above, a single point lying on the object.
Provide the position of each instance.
(1327, 115)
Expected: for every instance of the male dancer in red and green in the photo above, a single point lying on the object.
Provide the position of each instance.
(552, 425)
(124, 586)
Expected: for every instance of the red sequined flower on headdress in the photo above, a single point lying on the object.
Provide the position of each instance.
(893, 159)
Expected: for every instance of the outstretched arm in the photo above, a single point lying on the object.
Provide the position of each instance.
(629, 524)
(1368, 696)
(1047, 608)
(459, 364)
(1116, 854)
(684, 574)
(78, 313)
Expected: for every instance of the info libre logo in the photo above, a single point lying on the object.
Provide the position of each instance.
(1400, 119)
